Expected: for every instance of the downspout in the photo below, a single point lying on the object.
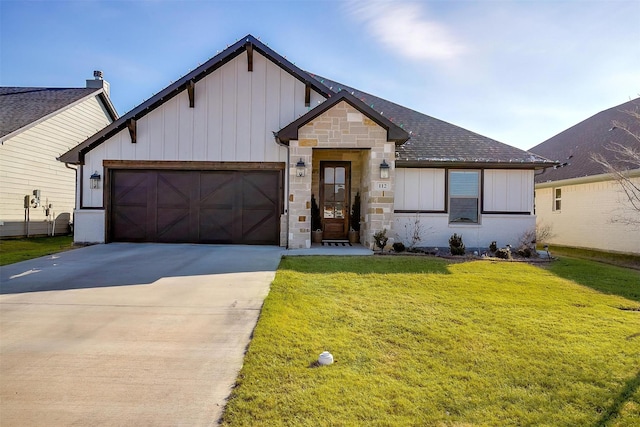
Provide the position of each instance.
(286, 183)
(75, 201)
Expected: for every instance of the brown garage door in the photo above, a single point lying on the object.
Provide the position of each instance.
(172, 206)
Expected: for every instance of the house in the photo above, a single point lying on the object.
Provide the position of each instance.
(37, 193)
(233, 152)
(584, 206)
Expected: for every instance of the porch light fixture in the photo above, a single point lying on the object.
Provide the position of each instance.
(300, 168)
(94, 179)
(384, 170)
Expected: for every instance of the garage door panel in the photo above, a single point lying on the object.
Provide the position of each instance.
(216, 226)
(217, 189)
(174, 189)
(173, 226)
(255, 190)
(195, 206)
(259, 227)
(129, 226)
(131, 190)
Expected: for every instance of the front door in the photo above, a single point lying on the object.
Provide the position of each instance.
(335, 180)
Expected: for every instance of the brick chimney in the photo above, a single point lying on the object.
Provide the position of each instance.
(98, 82)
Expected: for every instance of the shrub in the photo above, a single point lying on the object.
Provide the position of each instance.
(316, 219)
(493, 246)
(456, 245)
(355, 213)
(503, 253)
(381, 238)
(398, 247)
(525, 252)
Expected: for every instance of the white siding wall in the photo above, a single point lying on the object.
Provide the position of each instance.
(235, 114)
(424, 190)
(28, 162)
(505, 229)
(420, 189)
(587, 215)
(508, 190)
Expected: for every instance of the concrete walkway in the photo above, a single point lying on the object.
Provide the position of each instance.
(128, 334)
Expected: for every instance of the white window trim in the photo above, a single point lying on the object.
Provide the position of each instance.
(478, 201)
(557, 199)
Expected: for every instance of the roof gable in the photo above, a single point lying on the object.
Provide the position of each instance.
(26, 106)
(246, 44)
(573, 147)
(394, 132)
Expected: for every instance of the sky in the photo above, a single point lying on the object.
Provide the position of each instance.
(516, 71)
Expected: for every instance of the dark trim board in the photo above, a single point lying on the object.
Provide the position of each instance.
(410, 211)
(506, 213)
(189, 165)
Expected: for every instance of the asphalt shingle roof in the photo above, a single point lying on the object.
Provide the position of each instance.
(574, 147)
(432, 141)
(20, 106)
(436, 141)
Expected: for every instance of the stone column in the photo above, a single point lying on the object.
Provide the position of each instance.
(380, 194)
(300, 195)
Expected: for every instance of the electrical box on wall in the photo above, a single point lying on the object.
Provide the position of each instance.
(27, 201)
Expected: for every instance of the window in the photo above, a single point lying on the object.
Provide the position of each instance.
(557, 199)
(464, 187)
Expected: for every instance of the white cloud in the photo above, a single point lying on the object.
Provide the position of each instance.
(404, 27)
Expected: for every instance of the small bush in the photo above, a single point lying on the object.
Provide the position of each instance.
(381, 238)
(493, 246)
(503, 253)
(525, 252)
(398, 247)
(456, 246)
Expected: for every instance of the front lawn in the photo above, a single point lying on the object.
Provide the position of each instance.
(16, 250)
(421, 341)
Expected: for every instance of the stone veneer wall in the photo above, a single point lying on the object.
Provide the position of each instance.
(342, 127)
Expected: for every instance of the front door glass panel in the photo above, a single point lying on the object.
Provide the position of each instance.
(335, 192)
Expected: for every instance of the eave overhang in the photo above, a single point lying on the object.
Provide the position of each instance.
(76, 154)
(603, 177)
(394, 132)
(474, 164)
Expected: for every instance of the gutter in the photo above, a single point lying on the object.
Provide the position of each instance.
(286, 182)
(585, 179)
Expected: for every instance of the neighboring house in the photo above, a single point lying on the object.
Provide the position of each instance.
(233, 152)
(37, 193)
(584, 206)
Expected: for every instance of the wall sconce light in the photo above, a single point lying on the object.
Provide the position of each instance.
(384, 169)
(300, 168)
(94, 179)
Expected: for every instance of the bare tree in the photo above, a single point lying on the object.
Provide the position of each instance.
(623, 166)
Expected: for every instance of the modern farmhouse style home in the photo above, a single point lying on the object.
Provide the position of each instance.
(235, 151)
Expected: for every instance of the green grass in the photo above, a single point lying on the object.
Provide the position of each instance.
(17, 250)
(625, 260)
(605, 278)
(420, 341)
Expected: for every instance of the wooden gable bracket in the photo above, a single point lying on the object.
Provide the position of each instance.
(191, 90)
(131, 125)
(307, 95)
(249, 57)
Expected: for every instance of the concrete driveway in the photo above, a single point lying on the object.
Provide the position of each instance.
(128, 334)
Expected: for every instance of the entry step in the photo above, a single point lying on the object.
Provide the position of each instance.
(336, 243)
